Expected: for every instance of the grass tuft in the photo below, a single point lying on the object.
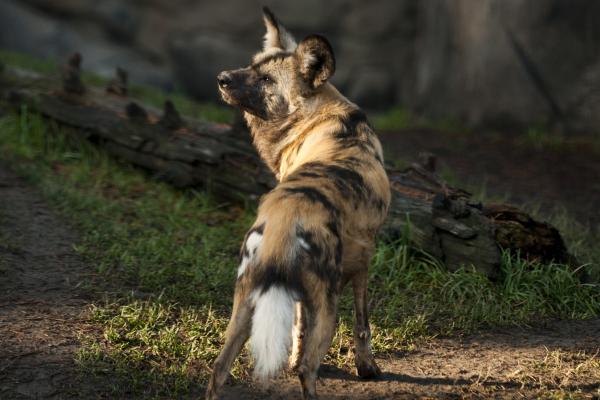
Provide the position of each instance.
(560, 374)
(151, 346)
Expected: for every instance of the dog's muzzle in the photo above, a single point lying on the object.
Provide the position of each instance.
(224, 79)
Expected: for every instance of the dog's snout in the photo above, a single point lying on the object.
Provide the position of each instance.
(224, 79)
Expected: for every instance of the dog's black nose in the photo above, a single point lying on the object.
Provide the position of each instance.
(224, 79)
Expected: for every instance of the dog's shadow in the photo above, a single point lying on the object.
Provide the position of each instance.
(333, 372)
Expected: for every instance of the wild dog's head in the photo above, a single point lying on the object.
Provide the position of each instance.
(282, 76)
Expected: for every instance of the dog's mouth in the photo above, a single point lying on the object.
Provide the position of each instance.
(231, 100)
(227, 98)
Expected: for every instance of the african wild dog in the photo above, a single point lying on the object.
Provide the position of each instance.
(316, 230)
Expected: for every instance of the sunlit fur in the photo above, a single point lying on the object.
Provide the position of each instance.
(317, 227)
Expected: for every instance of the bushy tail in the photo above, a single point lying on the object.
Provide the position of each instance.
(271, 337)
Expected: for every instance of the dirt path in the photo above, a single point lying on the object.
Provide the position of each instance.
(43, 307)
(41, 304)
(504, 364)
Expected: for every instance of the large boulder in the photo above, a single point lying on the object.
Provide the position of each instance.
(506, 61)
(31, 31)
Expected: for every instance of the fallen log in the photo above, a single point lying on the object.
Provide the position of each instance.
(440, 220)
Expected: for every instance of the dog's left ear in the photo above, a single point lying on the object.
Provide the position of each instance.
(277, 36)
(316, 59)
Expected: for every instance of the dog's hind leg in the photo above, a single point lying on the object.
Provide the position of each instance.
(365, 362)
(297, 337)
(319, 330)
(236, 335)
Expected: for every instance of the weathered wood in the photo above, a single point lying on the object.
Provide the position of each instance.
(519, 232)
(71, 75)
(438, 219)
(441, 221)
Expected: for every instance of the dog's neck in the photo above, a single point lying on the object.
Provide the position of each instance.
(278, 141)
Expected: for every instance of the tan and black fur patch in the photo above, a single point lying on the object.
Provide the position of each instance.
(315, 231)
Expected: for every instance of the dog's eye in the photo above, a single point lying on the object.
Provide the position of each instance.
(266, 79)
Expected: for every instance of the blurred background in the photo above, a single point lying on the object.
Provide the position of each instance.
(487, 62)
(505, 92)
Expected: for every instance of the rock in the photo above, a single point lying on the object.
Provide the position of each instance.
(372, 86)
(198, 60)
(310, 16)
(495, 62)
(56, 40)
(43, 36)
(379, 20)
(120, 19)
(466, 64)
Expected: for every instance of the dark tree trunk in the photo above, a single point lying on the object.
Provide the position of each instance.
(438, 219)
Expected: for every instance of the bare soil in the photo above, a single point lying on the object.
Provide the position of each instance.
(45, 291)
(42, 303)
(494, 364)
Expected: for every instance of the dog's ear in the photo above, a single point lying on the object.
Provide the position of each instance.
(316, 60)
(277, 36)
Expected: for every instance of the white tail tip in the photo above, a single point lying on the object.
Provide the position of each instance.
(271, 337)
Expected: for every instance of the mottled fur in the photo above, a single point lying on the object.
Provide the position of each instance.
(316, 230)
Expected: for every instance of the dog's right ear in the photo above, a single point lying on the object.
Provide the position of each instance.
(277, 37)
(316, 59)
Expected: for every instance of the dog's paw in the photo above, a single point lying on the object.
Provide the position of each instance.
(367, 370)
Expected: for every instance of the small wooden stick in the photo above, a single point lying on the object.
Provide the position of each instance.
(71, 75)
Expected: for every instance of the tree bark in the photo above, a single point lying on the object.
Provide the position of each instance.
(437, 219)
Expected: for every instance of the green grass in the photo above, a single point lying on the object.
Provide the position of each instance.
(169, 257)
(395, 118)
(24, 61)
(400, 118)
(155, 347)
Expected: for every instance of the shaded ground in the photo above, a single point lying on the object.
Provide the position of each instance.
(527, 169)
(42, 303)
(499, 364)
(44, 294)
